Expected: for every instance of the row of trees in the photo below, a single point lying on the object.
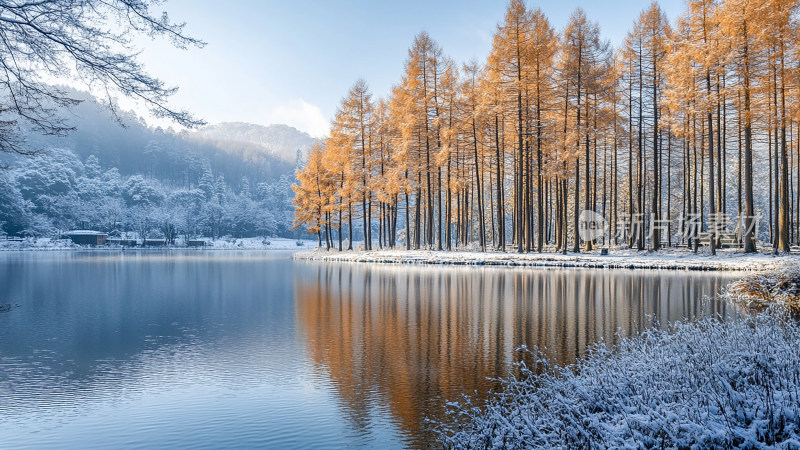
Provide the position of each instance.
(60, 192)
(680, 129)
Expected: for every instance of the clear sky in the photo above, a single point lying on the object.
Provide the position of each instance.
(292, 61)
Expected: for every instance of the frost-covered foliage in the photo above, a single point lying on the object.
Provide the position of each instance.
(769, 287)
(702, 384)
(57, 191)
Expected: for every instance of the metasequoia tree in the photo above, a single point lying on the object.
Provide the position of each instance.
(419, 104)
(550, 126)
(509, 64)
(542, 51)
(386, 179)
(583, 54)
(472, 131)
(314, 193)
(655, 32)
(779, 30)
(495, 115)
(740, 27)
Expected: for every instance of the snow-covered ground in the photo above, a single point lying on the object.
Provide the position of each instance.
(678, 259)
(260, 244)
(219, 244)
(702, 384)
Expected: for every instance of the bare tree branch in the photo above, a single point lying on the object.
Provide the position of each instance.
(83, 40)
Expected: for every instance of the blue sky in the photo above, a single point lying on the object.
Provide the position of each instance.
(291, 62)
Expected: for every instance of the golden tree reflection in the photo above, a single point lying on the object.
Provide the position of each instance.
(410, 338)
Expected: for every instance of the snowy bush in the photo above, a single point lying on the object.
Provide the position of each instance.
(765, 288)
(702, 384)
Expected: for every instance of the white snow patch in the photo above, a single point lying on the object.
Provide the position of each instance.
(676, 259)
(219, 244)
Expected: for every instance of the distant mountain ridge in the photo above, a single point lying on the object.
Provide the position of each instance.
(229, 149)
(251, 140)
(230, 178)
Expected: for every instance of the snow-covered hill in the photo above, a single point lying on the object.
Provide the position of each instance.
(250, 140)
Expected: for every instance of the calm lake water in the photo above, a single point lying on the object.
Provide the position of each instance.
(252, 349)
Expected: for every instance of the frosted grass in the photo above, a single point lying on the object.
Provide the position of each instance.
(699, 384)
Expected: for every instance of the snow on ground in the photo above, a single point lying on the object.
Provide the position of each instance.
(38, 244)
(701, 384)
(219, 244)
(677, 259)
(260, 244)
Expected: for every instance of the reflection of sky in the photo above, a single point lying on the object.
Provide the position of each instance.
(112, 349)
(108, 351)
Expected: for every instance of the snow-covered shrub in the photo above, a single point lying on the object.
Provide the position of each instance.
(765, 288)
(701, 384)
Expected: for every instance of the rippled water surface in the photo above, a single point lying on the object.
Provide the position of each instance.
(252, 349)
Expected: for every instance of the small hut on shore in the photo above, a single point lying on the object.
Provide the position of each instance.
(87, 237)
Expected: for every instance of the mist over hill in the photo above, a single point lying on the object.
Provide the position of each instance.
(121, 175)
(232, 150)
(253, 142)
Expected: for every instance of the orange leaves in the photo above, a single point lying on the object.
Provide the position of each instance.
(314, 193)
(542, 101)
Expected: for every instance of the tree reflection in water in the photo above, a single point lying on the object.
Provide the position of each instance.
(410, 338)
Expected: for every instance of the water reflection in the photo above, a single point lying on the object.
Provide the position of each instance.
(249, 349)
(408, 338)
(148, 350)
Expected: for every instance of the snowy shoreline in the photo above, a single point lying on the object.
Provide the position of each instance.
(281, 244)
(670, 259)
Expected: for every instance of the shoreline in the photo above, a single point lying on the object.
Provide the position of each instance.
(238, 244)
(670, 259)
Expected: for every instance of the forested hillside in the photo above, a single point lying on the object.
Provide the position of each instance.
(132, 178)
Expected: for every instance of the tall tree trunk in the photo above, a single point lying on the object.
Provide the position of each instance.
(711, 205)
(501, 219)
(669, 187)
(518, 221)
(739, 171)
(482, 237)
(539, 177)
(749, 206)
(783, 220)
(588, 191)
(656, 160)
(640, 224)
(439, 203)
(576, 248)
(449, 221)
(349, 224)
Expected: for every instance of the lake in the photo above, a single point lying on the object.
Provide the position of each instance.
(216, 349)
